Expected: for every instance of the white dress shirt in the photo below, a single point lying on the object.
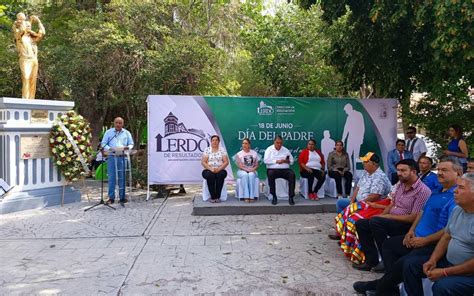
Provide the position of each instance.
(272, 155)
(417, 147)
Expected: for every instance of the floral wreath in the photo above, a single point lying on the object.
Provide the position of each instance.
(71, 145)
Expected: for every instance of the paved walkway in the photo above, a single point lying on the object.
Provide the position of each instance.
(159, 248)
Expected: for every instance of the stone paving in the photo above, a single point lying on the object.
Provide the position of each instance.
(159, 248)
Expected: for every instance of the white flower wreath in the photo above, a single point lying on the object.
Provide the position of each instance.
(71, 145)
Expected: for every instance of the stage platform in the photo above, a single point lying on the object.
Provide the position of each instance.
(232, 206)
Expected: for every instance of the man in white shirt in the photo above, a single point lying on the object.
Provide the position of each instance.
(414, 144)
(278, 160)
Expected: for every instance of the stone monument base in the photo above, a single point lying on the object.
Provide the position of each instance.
(25, 160)
(36, 199)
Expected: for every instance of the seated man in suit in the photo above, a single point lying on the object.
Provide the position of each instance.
(278, 160)
(394, 156)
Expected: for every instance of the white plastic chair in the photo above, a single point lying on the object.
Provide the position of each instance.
(427, 285)
(281, 189)
(206, 195)
(239, 190)
(331, 189)
(304, 188)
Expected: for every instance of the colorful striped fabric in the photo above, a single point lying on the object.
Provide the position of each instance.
(345, 226)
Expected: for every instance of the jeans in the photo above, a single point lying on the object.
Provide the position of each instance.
(319, 175)
(454, 285)
(450, 285)
(341, 204)
(377, 229)
(112, 174)
(247, 182)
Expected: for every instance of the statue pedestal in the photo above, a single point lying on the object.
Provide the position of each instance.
(25, 160)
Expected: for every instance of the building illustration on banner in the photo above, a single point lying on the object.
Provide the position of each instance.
(178, 138)
(264, 109)
(172, 126)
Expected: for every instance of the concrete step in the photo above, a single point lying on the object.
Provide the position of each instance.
(233, 206)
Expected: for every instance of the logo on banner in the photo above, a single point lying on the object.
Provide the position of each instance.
(264, 109)
(179, 141)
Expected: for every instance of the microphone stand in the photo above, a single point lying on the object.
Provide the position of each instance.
(102, 202)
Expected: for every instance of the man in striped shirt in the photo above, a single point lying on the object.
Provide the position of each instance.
(408, 198)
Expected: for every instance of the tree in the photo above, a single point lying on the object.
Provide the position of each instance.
(289, 52)
(400, 47)
(108, 56)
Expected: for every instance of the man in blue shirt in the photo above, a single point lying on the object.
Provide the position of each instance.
(116, 138)
(426, 230)
(426, 175)
(451, 266)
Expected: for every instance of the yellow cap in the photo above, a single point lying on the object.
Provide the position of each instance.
(370, 156)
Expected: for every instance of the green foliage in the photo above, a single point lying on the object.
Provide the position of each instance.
(289, 52)
(108, 56)
(410, 46)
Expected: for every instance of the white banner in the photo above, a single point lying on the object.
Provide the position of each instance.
(178, 132)
(180, 127)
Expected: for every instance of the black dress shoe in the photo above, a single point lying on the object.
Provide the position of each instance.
(379, 268)
(363, 266)
(334, 236)
(274, 201)
(291, 201)
(364, 287)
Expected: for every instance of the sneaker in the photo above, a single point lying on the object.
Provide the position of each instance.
(315, 196)
(334, 236)
(110, 201)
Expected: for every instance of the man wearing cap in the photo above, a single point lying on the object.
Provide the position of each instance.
(408, 198)
(373, 185)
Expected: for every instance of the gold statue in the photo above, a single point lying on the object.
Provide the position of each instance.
(26, 40)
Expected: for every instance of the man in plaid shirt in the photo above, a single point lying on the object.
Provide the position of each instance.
(409, 197)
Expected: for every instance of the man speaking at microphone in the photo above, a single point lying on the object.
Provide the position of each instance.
(114, 139)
